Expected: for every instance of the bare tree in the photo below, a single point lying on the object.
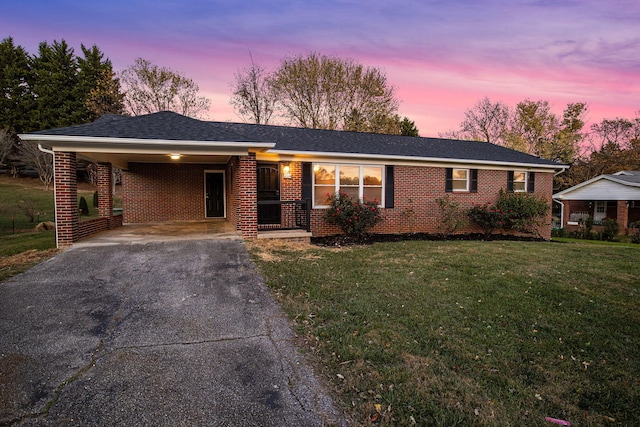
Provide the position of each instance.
(32, 157)
(252, 97)
(317, 91)
(150, 89)
(6, 144)
(530, 127)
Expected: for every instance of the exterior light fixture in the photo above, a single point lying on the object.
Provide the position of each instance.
(286, 171)
(174, 156)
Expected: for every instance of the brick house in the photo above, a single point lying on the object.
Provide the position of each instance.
(613, 196)
(262, 178)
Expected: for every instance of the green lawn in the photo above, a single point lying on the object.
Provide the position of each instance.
(20, 246)
(468, 333)
(20, 196)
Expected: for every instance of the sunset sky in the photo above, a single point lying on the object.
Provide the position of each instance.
(441, 55)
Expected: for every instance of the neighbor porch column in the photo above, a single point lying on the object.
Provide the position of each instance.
(66, 198)
(622, 216)
(247, 222)
(105, 191)
(566, 212)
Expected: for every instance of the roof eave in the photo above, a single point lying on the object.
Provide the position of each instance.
(140, 145)
(561, 195)
(416, 159)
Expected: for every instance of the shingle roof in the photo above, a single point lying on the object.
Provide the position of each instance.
(167, 125)
(327, 141)
(632, 177)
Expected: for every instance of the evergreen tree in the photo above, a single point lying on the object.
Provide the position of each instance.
(16, 100)
(97, 85)
(54, 83)
(408, 127)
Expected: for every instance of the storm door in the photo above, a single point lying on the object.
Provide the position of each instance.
(268, 190)
(214, 194)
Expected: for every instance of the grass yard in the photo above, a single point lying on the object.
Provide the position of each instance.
(20, 246)
(468, 333)
(19, 196)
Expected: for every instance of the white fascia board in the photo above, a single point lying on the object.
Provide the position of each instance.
(621, 181)
(136, 145)
(415, 160)
(565, 194)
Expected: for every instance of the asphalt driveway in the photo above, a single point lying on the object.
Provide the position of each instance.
(176, 333)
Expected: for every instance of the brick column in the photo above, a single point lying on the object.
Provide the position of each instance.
(105, 194)
(66, 196)
(247, 222)
(622, 216)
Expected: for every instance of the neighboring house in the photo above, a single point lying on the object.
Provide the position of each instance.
(263, 177)
(615, 196)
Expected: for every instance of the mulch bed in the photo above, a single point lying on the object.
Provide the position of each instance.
(342, 240)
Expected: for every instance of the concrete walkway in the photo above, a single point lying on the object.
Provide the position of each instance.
(160, 332)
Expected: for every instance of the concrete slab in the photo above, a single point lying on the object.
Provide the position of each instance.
(215, 228)
(168, 332)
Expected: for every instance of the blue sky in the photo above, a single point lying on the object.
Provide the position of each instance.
(442, 56)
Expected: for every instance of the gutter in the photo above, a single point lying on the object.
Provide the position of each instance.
(55, 201)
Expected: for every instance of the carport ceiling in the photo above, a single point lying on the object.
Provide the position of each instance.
(122, 160)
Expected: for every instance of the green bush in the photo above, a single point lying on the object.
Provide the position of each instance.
(452, 216)
(611, 229)
(354, 217)
(95, 199)
(487, 217)
(83, 206)
(522, 212)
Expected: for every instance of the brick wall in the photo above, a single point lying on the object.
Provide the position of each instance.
(157, 192)
(416, 209)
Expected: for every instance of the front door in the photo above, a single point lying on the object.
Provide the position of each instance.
(214, 195)
(268, 189)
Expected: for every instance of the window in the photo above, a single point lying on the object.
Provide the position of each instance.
(460, 179)
(519, 181)
(358, 181)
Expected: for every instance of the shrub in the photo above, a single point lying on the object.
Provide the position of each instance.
(452, 217)
(83, 207)
(524, 212)
(353, 216)
(611, 229)
(487, 217)
(95, 199)
(636, 238)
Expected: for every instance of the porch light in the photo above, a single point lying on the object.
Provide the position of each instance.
(286, 171)
(174, 156)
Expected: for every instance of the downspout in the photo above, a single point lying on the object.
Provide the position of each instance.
(55, 201)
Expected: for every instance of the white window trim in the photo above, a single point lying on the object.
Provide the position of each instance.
(526, 183)
(361, 185)
(468, 179)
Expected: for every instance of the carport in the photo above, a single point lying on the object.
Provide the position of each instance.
(174, 169)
